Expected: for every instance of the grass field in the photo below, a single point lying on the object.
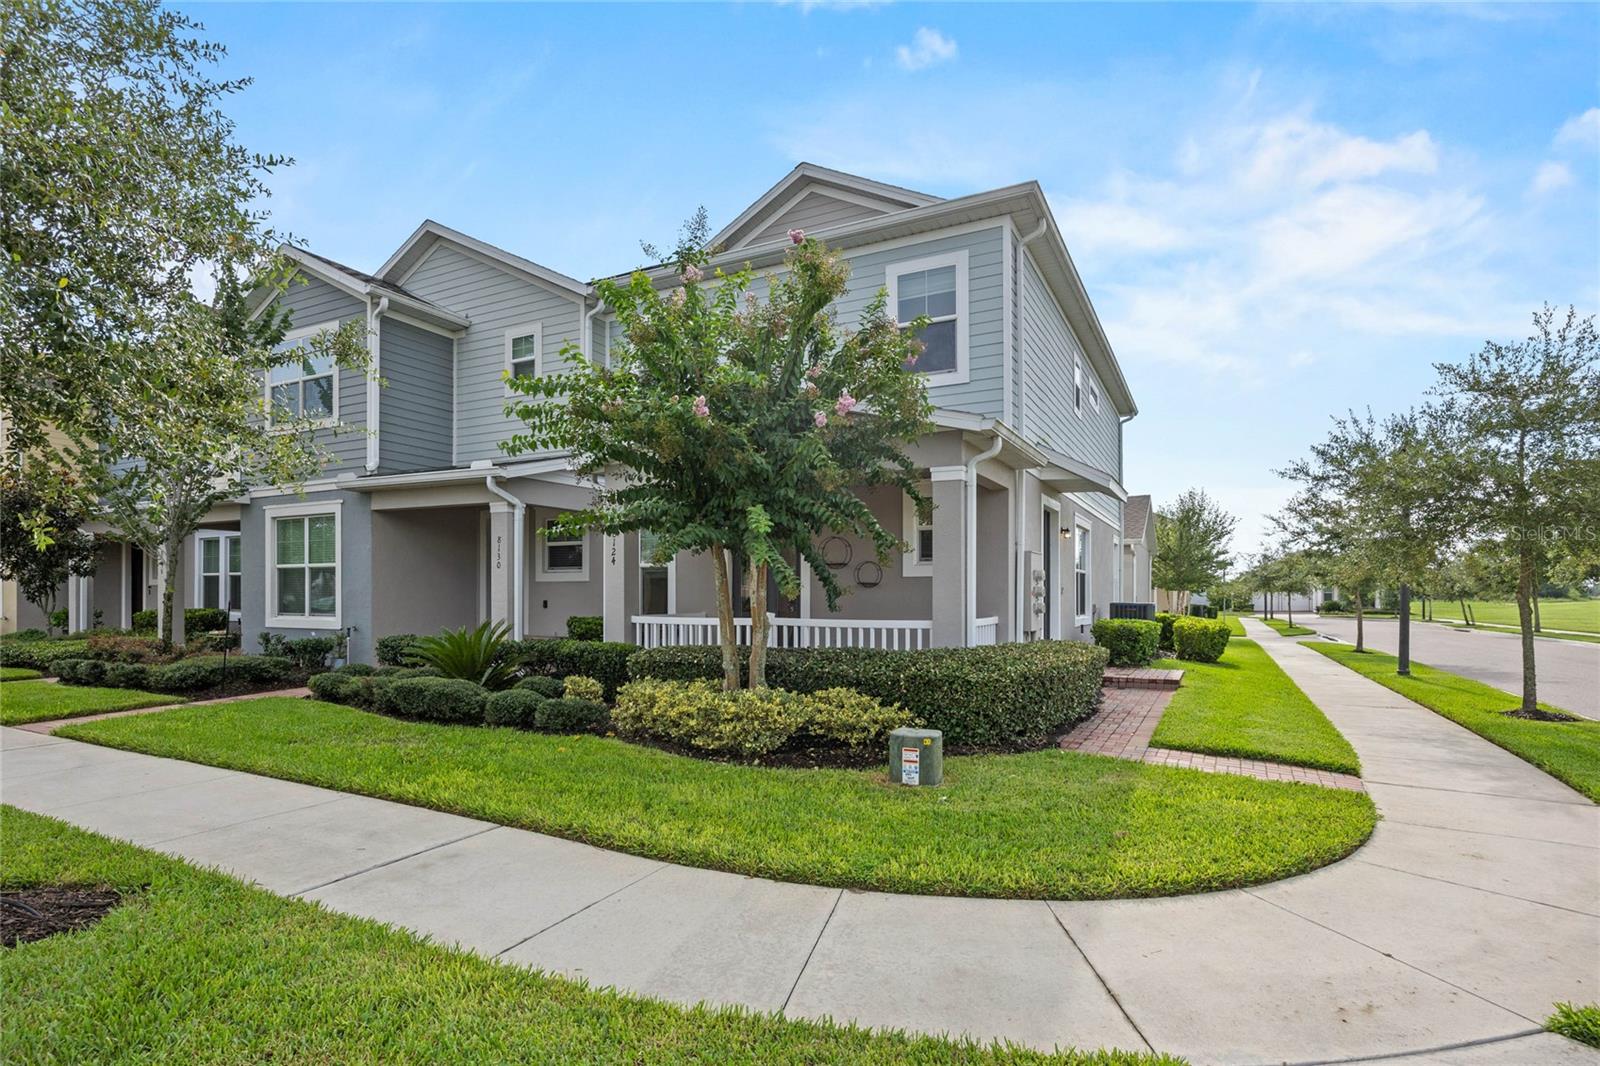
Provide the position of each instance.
(1235, 624)
(1286, 630)
(1568, 751)
(40, 701)
(195, 967)
(1582, 616)
(18, 673)
(1245, 705)
(1045, 825)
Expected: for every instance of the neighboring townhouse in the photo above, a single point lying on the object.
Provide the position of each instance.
(421, 521)
(1138, 550)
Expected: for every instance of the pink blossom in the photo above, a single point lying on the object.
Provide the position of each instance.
(750, 300)
(797, 235)
(846, 403)
(820, 418)
(677, 297)
(810, 388)
(692, 273)
(700, 408)
(814, 372)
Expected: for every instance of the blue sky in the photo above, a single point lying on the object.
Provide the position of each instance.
(1280, 212)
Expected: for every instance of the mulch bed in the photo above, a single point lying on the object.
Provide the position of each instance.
(1540, 716)
(29, 914)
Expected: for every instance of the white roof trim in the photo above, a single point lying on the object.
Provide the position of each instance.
(455, 475)
(435, 231)
(810, 173)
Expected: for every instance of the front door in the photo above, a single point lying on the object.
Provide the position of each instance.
(136, 579)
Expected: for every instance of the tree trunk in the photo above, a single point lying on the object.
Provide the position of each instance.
(171, 611)
(758, 626)
(1361, 631)
(725, 634)
(1537, 628)
(1525, 591)
(1466, 619)
(1291, 609)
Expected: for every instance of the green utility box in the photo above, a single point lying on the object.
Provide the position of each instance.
(916, 757)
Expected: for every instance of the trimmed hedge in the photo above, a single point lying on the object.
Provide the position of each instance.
(309, 653)
(999, 696)
(195, 620)
(752, 722)
(578, 687)
(395, 650)
(1167, 620)
(514, 707)
(551, 688)
(435, 699)
(40, 654)
(569, 715)
(1130, 641)
(185, 675)
(359, 685)
(606, 662)
(586, 627)
(1201, 640)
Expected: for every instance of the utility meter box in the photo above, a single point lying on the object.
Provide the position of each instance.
(916, 757)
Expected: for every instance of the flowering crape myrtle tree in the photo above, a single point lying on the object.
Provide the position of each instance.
(729, 423)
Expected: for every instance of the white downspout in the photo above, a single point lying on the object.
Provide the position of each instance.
(518, 512)
(1020, 575)
(1022, 323)
(587, 340)
(972, 536)
(374, 374)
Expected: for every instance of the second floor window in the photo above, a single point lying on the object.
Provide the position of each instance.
(934, 288)
(302, 388)
(523, 345)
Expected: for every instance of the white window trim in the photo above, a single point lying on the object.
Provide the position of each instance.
(958, 259)
(526, 329)
(910, 565)
(1082, 529)
(299, 335)
(671, 567)
(542, 572)
(296, 510)
(221, 536)
(1077, 385)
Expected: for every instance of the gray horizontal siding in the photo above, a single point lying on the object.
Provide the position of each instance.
(813, 211)
(313, 303)
(494, 300)
(414, 406)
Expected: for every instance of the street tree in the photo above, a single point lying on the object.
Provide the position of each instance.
(1192, 535)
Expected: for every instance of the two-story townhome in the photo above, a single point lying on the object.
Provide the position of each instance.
(422, 521)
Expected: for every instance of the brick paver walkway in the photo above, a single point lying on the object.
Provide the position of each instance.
(56, 723)
(1127, 719)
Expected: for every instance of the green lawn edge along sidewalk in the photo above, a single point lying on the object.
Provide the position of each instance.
(1039, 825)
(1576, 1023)
(18, 673)
(1244, 705)
(1567, 751)
(22, 702)
(1286, 630)
(196, 967)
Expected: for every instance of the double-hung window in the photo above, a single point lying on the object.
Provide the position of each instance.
(934, 288)
(655, 578)
(221, 571)
(1080, 574)
(919, 536)
(306, 386)
(562, 556)
(524, 346)
(304, 570)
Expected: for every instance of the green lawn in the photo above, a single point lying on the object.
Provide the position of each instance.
(18, 673)
(1044, 825)
(1286, 630)
(196, 967)
(1569, 751)
(1545, 634)
(40, 701)
(1579, 1023)
(1244, 705)
(1580, 615)
(1235, 624)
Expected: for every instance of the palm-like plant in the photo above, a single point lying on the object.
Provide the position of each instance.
(480, 654)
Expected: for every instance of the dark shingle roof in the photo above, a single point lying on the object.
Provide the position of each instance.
(1135, 517)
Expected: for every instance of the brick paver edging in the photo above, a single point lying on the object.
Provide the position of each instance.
(1127, 719)
(57, 723)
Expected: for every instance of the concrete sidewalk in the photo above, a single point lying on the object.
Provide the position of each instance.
(1474, 908)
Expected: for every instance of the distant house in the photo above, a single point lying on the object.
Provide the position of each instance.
(422, 521)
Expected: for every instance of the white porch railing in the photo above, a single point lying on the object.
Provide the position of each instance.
(986, 631)
(663, 630)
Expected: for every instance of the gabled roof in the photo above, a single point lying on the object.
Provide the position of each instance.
(1135, 517)
(430, 233)
(360, 285)
(806, 179)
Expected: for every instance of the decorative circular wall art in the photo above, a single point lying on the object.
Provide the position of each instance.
(836, 551)
(869, 575)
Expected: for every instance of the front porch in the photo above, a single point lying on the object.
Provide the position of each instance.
(660, 631)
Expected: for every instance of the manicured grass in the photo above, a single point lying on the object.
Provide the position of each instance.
(196, 967)
(40, 701)
(1579, 1023)
(1582, 638)
(1245, 705)
(1580, 615)
(18, 673)
(1569, 751)
(1286, 630)
(1047, 824)
(1235, 624)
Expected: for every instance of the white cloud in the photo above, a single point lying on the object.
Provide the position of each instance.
(1549, 177)
(928, 48)
(1294, 150)
(1582, 130)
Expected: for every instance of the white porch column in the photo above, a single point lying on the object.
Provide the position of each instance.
(502, 569)
(617, 564)
(77, 603)
(952, 526)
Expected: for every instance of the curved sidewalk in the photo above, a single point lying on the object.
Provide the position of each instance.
(1475, 907)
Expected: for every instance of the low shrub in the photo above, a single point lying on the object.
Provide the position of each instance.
(204, 619)
(1166, 618)
(752, 722)
(606, 662)
(80, 671)
(586, 627)
(578, 687)
(307, 653)
(29, 634)
(58, 619)
(259, 669)
(117, 648)
(1201, 640)
(842, 717)
(484, 655)
(144, 621)
(515, 707)
(1130, 641)
(1333, 607)
(358, 669)
(435, 699)
(127, 675)
(1000, 696)
(569, 715)
(333, 686)
(550, 688)
(395, 650)
(40, 654)
(186, 675)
